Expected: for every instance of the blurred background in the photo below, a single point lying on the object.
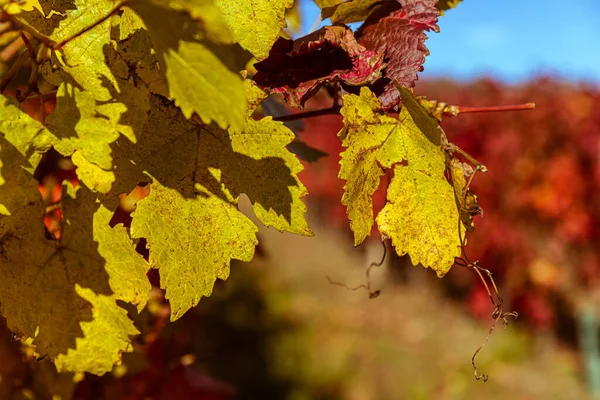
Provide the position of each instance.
(279, 329)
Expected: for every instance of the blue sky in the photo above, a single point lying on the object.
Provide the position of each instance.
(512, 40)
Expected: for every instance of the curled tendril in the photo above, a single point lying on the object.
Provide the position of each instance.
(492, 290)
(373, 294)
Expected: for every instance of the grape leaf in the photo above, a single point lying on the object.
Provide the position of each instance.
(350, 11)
(299, 68)
(204, 170)
(83, 58)
(444, 5)
(306, 152)
(64, 295)
(402, 36)
(27, 135)
(85, 134)
(94, 66)
(108, 333)
(191, 241)
(106, 99)
(85, 128)
(44, 286)
(256, 24)
(294, 18)
(200, 62)
(81, 61)
(254, 96)
(17, 7)
(134, 59)
(420, 215)
(327, 3)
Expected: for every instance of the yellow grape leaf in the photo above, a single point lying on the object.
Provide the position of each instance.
(204, 170)
(85, 130)
(444, 5)
(104, 339)
(256, 24)
(293, 18)
(327, 3)
(28, 136)
(254, 96)
(91, 63)
(134, 56)
(81, 61)
(17, 7)
(202, 68)
(63, 296)
(350, 11)
(84, 56)
(420, 215)
(191, 241)
(85, 134)
(25, 137)
(268, 173)
(364, 136)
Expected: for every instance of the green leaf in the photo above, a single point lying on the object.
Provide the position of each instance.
(200, 62)
(256, 24)
(420, 215)
(203, 170)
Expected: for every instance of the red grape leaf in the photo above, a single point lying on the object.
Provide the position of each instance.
(297, 69)
(401, 35)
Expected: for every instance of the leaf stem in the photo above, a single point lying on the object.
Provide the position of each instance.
(29, 47)
(11, 50)
(5, 27)
(17, 65)
(309, 114)
(44, 95)
(511, 107)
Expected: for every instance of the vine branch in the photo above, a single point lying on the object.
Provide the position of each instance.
(309, 114)
(510, 107)
(482, 273)
(367, 286)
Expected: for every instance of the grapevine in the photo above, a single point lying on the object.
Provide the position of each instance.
(172, 97)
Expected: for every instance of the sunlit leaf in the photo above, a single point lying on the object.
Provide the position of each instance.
(199, 172)
(202, 68)
(420, 215)
(256, 24)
